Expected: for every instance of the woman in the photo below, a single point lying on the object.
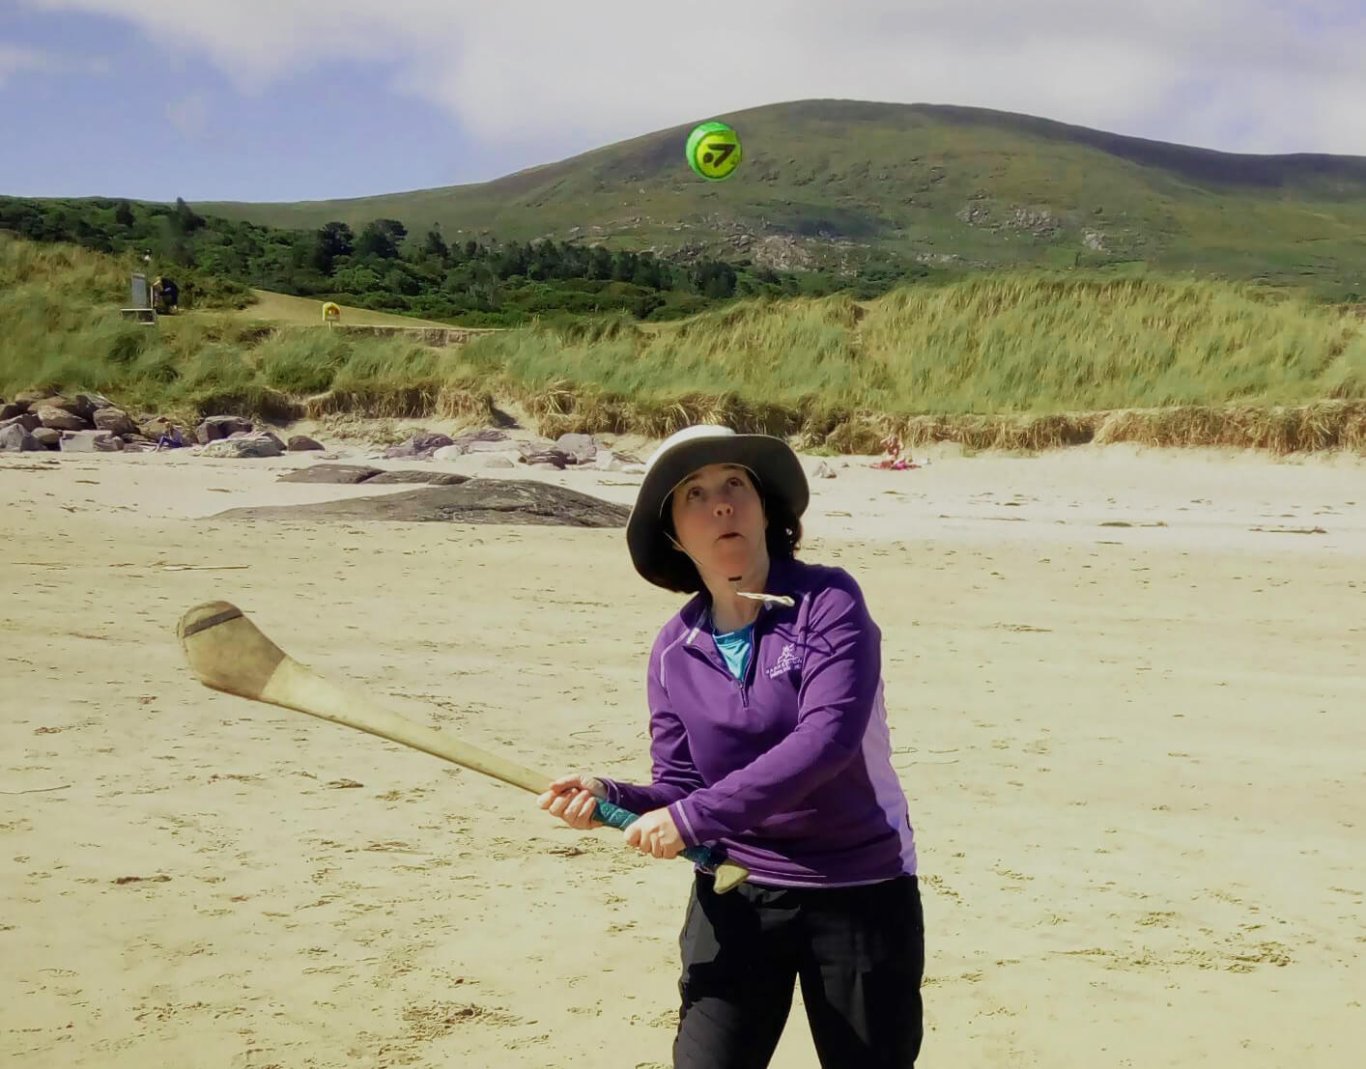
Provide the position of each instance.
(769, 740)
(170, 438)
(891, 459)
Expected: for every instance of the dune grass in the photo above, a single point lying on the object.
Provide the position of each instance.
(1007, 360)
(1002, 343)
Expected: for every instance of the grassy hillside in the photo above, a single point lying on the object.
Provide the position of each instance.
(837, 181)
(283, 310)
(1018, 358)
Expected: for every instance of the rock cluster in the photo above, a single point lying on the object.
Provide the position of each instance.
(91, 423)
(36, 421)
(503, 451)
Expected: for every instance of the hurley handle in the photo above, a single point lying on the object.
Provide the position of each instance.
(616, 817)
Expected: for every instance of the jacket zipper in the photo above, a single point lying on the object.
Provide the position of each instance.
(743, 685)
(747, 682)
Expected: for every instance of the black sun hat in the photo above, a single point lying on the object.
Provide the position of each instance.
(776, 470)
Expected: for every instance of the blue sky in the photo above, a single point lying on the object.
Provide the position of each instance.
(311, 99)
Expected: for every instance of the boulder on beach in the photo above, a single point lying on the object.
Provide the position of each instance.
(478, 501)
(29, 421)
(57, 401)
(244, 446)
(489, 440)
(419, 446)
(155, 428)
(59, 419)
(353, 474)
(87, 404)
(606, 460)
(14, 439)
(430, 445)
(487, 445)
(547, 458)
(342, 474)
(115, 420)
(90, 442)
(409, 475)
(215, 427)
(581, 447)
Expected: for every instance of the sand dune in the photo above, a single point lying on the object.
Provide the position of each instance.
(1126, 692)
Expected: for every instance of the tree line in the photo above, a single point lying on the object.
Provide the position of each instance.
(477, 282)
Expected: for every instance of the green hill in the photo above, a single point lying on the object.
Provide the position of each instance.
(831, 182)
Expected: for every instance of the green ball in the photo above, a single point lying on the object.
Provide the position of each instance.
(713, 151)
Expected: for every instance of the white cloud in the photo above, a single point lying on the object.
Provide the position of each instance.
(19, 59)
(189, 115)
(1240, 75)
(15, 60)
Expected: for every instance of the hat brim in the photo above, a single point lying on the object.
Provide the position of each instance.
(772, 461)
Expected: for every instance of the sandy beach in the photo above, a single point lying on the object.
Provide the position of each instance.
(1126, 691)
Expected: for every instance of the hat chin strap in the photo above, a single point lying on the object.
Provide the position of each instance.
(774, 599)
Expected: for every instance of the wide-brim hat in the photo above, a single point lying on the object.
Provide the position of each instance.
(776, 470)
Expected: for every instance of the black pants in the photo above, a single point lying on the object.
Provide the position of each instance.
(859, 953)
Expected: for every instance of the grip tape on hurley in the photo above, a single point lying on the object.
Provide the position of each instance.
(616, 817)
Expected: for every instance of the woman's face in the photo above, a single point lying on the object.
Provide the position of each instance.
(719, 520)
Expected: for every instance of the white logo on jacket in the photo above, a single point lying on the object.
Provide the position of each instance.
(786, 662)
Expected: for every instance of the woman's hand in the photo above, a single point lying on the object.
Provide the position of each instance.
(655, 834)
(573, 799)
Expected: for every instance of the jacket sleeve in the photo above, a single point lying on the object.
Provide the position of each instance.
(841, 674)
(673, 772)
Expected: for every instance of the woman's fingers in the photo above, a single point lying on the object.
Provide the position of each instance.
(578, 780)
(574, 805)
(574, 800)
(654, 834)
(573, 809)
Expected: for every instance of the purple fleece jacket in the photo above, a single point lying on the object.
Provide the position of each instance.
(789, 770)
